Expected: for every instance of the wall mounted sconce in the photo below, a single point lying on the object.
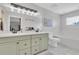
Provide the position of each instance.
(23, 10)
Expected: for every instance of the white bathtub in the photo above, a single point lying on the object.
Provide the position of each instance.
(71, 43)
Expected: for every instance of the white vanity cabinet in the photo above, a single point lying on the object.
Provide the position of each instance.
(23, 44)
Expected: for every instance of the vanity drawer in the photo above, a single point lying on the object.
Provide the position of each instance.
(40, 35)
(35, 49)
(8, 48)
(23, 44)
(25, 52)
(24, 37)
(36, 36)
(35, 41)
(44, 35)
(7, 39)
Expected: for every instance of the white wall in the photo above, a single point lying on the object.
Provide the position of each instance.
(55, 30)
(69, 32)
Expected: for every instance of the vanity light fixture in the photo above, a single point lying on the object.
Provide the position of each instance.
(23, 10)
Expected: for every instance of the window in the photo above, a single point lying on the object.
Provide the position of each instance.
(72, 21)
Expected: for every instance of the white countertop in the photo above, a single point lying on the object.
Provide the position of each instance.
(18, 34)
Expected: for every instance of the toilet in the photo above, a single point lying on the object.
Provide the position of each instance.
(54, 41)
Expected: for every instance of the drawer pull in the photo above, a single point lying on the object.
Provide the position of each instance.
(17, 42)
(35, 49)
(25, 53)
(40, 38)
(25, 44)
(35, 41)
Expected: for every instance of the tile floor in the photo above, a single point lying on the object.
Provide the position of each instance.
(60, 50)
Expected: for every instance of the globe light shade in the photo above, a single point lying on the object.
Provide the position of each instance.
(28, 12)
(32, 13)
(18, 10)
(12, 8)
(35, 14)
(23, 11)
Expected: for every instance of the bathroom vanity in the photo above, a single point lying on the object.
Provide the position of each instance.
(23, 43)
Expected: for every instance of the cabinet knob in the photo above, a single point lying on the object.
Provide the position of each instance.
(40, 38)
(25, 53)
(35, 49)
(25, 44)
(35, 41)
(17, 42)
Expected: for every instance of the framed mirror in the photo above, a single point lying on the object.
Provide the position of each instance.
(1, 19)
(1, 24)
(15, 24)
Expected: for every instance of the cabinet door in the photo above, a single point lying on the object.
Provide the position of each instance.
(35, 45)
(43, 43)
(8, 48)
(35, 49)
(25, 51)
(23, 44)
(35, 41)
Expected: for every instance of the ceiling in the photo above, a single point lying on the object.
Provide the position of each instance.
(59, 8)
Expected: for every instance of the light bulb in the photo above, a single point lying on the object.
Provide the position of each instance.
(36, 14)
(15, 9)
(28, 12)
(32, 13)
(18, 10)
(23, 11)
(12, 9)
